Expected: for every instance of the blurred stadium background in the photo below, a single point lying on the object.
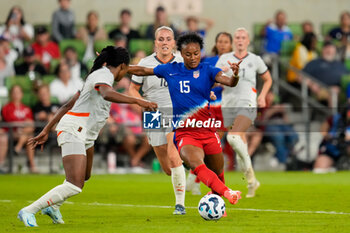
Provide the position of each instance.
(306, 112)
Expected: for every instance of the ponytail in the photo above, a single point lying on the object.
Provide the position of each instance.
(113, 56)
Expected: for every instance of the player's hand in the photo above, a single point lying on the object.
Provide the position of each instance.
(148, 105)
(38, 140)
(212, 95)
(261, 101)
(235, 67)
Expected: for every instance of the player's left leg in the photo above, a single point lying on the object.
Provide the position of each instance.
(193, 156)
(237, 140)
(54, 211)
(215, 163)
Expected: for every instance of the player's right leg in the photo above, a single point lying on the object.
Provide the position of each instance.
(178, 176)
(237, 140)
(176, 172)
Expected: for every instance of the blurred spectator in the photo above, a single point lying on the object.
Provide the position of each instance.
(89, 33)
(29, 64)
(44, 109)
(120, 41)
(138, 56)
(16, 30)
(307, 27)
(335, 144)
(342, 33)
(304, 52)
(276, 32)
(192, 24)
(161, 19)
(6, 62)
(78, 70)
(326, 70)
(124, 126)
(15, 111)
(45, 49)
(278, 130)
(124, 27)
(223, 44)
(64, 87)
(63, 22)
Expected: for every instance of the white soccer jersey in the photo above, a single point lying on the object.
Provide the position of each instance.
(246, 87)
(155, 89)
(90, 111)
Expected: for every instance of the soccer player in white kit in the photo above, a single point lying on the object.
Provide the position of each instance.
(156, 90)
(80, 121)
(239, 103)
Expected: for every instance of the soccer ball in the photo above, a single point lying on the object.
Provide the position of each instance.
(211, 207)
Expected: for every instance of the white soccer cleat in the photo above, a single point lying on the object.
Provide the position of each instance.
(252, 188)
(190, 182)
(192, 186)
(27, 218)
(54, 214)
(196, 189)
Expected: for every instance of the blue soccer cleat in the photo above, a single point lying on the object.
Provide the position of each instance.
(27, 218)
(179, 210)
(54, 214)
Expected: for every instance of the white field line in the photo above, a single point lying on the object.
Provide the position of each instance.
(192, 207)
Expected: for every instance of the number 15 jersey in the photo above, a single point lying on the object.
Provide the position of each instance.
(189, 89)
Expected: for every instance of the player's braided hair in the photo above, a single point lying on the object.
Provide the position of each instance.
(188, 38)
(113, 56)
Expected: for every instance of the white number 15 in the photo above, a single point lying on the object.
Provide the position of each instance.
(184, 86)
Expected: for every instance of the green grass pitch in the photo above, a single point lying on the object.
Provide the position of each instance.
(285, 202)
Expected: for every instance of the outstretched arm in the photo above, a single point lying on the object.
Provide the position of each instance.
(140, 70)
(229, 81)
(43, 135)
(109, 94)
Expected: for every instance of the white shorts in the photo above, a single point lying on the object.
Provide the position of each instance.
(157, 138)
(72, 145)
(243, 107)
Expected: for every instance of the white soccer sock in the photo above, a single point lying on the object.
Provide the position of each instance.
(178, 178)
(245, 162)
(58, 204)
(56, 195)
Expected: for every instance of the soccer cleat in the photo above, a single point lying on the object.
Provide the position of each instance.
(225, 214)
(190, 182)
(27, 218)
(196, 189)
(252, 188)
(192, 186)
(179, 210)
(232, 196)
(54, 214)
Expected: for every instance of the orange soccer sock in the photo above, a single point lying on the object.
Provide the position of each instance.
(210, 179)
